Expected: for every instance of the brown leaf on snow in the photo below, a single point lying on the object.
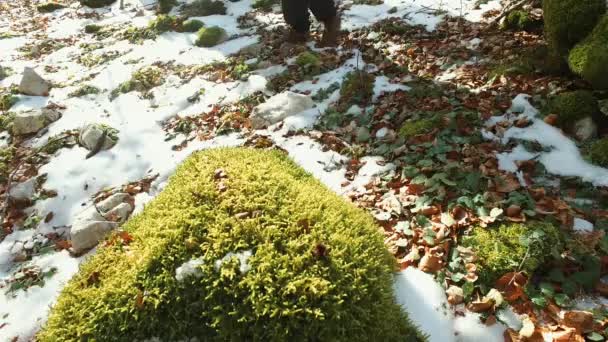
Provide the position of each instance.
(582, 321)
(482, 305)
(551, 119)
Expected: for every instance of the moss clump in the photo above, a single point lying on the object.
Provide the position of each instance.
(165, 6)
(6, 156)
(192, 25)
(84, 90)
(309, 62)
(589, 59)
(264, 5)
(357, 88)
(598, 152)
(164, 23)
(7, 101)
(572, 106)
(412, 128)
(96, 3)
(275, 257)
(142, 80)
(210, 36)
(92, 28)
(49, 7)
(202, 8)
(518, 20)
(4, 73)
(569, 21)
(505, 248)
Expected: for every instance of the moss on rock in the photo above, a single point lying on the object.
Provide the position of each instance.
(92, 28)
(7, 101)
(49, 7)
(164, 23)
(192, 25)
(211, 36)
(262, 251)
(572, 106)
(598, 152)
(589, 58)
(309, 62)
(96, 3)
(201, 8)
(518, 20)
(507, 247)
(567, 22)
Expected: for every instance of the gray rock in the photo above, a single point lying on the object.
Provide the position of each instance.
(363, 135)
(24, 191)
(34, 120)
(585, 129)
(120, 213)
(90, 135)
(87, 234)
(33, 84)
(279, 107)
(604, 106)
(252, 49)
(112, 202)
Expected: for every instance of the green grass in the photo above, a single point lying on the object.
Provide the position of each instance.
(318, 271)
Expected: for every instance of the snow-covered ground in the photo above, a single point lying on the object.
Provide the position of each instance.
(143, 150)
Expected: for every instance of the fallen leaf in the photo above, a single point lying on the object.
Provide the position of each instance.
(551, 119)
(582, 321)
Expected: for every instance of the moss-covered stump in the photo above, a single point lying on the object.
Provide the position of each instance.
(567, 22)
(264, 253)
(96, 3)
(589, 59)
(513, 247)
(211, 36)
(573, 106)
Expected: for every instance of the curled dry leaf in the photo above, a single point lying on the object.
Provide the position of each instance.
(482, 305)
(582, 321)
(455, 295)
(431, 263)
(513, 210)
(551, 119)
(511, 285)
(507, 183)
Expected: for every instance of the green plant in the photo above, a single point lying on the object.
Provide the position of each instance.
(409, 129)
(84, 90)
(202, 8)
(6, 157)
(264, 5)
(598, 152)
(7, 101)
(142, 80)
(589, 59)
(513, 247)
(572, 106)
(272, 255)
(568, 21)
(92, 28)
(96, 3)
(357, 88)
(165, 6)
(518, 20)
(4, 72)
(309, 62)
(210, 36)
(50, 6)
(192, 25)
(164, 23)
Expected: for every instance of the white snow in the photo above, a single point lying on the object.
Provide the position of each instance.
(241, 256)
(190, 268)
(581, 225)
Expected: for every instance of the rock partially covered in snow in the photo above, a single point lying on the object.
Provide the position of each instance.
(253, 49)
(24, 191)
(90, 137)
(33, 84)
(279, 107)
(34, 120)
(585, 129)
(95, 223)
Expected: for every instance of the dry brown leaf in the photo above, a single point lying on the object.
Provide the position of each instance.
(582, 321)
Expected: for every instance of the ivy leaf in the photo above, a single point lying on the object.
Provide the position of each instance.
(467, 289)
(562, 300)
(547, 289)
(595, 337)
(557, 275)
(457, 277)
(539, 301)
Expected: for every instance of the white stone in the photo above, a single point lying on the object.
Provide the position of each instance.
(23, 191)
(112, 202)
(29, 245)
(34, 120)
(33, 84)
(280, 107)
(87, 234)
(585, 129)
(90, 136)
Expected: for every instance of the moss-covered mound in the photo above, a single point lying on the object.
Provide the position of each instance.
(201, 8)
(572, 106)
(48, 7)
(569, 21)
(264, 253)
(309, 62)
(589, 59)
(165, 6)
(192, 25)
(211, 36)
(410, 129)
(96, 3)
(598, 152)
(513, 246)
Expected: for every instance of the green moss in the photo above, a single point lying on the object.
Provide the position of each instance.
(412, 128)
(201, 8)
(84, 90)
(357, 88)
(210, 36)
(572, 106)
(165, 6)
(192, 25)
(142, 80)
(569, 21)
(96, 3)
(6, 122)
(589, 59)
(164, 23)
(6, 157)
(518, 20)
(309, 62)
(264, 5)
(598, 152)
(4, 72)
(92, 28)
(7, 101)
(504, 248)
(137, 35)
(49, 7)
(318, 269)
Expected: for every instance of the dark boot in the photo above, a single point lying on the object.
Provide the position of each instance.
(295, 37)
(332, 31)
